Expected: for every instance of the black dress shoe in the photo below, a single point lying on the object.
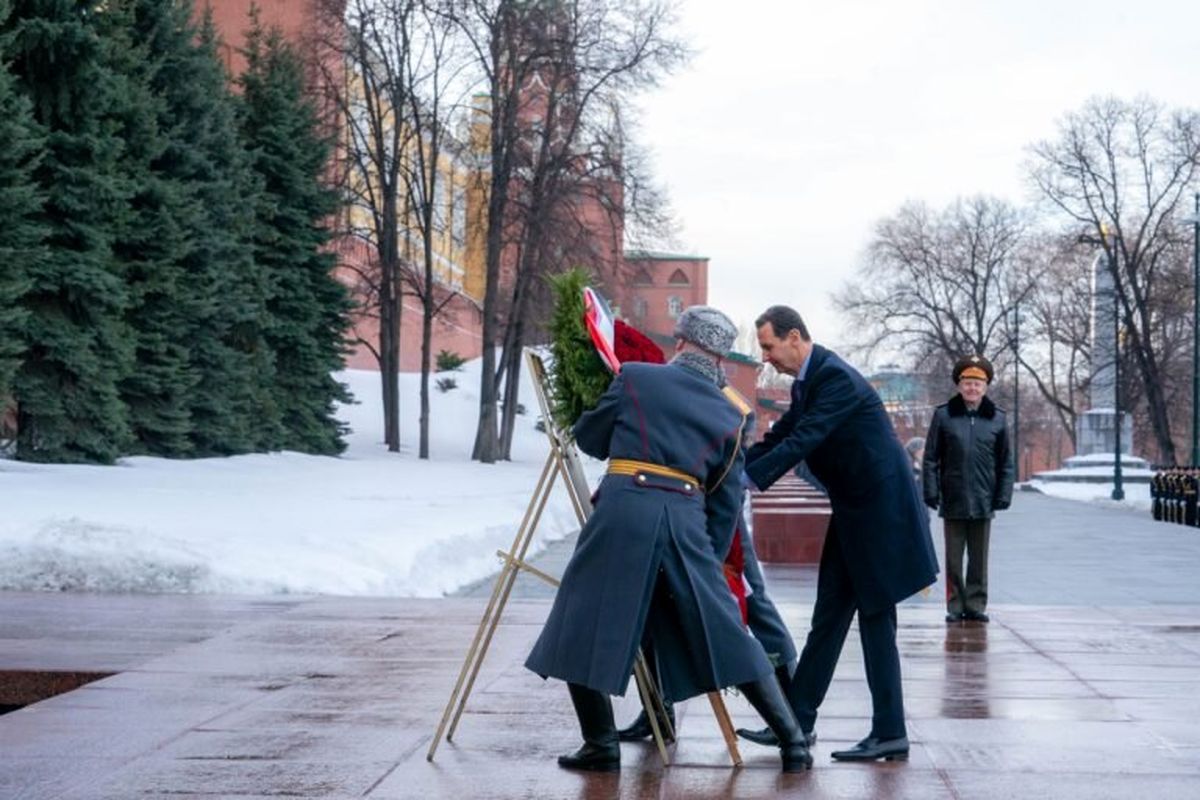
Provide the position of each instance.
(975, 616)
(767, 738)
(593, 758)
(640, 727)
(873, 748)
(955, 616)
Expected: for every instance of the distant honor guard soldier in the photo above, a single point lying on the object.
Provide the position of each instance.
(649, 559)
(1156, 496)
(1189, 498)
(1173, 496)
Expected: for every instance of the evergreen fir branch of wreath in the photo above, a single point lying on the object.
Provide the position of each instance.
(578, 376)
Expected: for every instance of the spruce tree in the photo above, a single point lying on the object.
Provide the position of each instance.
(307, 307)
(232, 405)
(145, 41)
(76, 353)
(21, 232)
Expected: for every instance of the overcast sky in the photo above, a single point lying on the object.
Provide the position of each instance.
(799, 124)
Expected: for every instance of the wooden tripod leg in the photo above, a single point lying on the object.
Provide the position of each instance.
(726, 726)
(491, 613)
(649, 694)
(507, 579)
(657, 707)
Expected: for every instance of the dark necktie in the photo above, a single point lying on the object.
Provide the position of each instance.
(798, 394)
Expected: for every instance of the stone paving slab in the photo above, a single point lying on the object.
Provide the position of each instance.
(339, 697)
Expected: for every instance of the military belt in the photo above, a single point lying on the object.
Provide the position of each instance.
(628, 466)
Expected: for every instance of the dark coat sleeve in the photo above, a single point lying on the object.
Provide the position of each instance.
(774, 435)
(723, 505)
(931, 461)
(593, 430)
(830, 403)
(1005, 472)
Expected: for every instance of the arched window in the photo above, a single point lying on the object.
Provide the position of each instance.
(674, 306)
(642, 278)
(678, 279)
(640, 308)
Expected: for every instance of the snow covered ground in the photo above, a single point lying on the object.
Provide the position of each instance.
(367, 523)
(1137, 495)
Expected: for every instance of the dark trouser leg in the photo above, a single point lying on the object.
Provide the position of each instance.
(640, 727)
(600, 751)
(956, 540)
(832, 613)
(882, 660)
(766, 696)
(978, 536)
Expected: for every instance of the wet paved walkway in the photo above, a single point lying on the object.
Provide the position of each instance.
(1086, 684)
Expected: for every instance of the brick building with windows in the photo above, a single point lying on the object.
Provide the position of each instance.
(648, 289)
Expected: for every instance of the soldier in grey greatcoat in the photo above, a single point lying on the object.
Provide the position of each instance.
(762, 617)
(649, 558)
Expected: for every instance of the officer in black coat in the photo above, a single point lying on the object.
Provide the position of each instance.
(877, 550)
(650, 556)
(968, 476)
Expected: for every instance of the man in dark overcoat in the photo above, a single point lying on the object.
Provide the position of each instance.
(877, 550)
(968, 476)
(649, 559)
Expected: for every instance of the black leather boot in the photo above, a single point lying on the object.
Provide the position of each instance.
(768, 700)
(765, 736)
(640, 727)
(600, 751)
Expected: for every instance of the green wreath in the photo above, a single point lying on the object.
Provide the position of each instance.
(578, 376)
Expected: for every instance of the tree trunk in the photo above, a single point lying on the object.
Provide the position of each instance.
(428, 305)
(512, 392)
(487, 443)
(389, 327)
(389, 332)
(1156, 401)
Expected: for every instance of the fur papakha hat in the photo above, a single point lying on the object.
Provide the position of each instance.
(707, 328)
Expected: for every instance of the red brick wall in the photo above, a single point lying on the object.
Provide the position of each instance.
(232, 17)
(646, 296)
(457, 327)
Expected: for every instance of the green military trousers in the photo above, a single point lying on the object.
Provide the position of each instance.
(966, 593)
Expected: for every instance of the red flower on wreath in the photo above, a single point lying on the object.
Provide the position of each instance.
(630, 344)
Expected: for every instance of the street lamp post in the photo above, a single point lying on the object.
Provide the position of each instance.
(1017, 386)
(1196, 335)
(1118, 493)
(1194, 220)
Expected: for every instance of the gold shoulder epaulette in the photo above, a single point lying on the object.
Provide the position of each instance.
(735, 397)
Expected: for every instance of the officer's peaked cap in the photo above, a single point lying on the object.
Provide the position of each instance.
(973, 366)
